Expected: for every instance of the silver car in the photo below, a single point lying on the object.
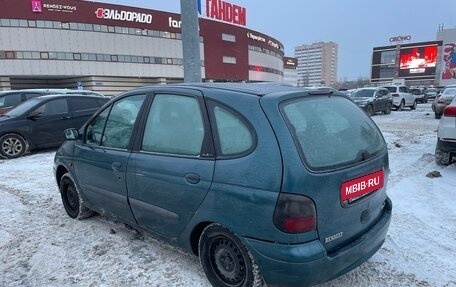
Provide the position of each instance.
(443, 101)
(445, 150)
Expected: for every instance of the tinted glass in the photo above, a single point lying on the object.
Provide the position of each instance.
(174, 126)
(331, 132)
(233, 134)
(53, 107)
(81, 104)
(363, 93)
(391, 89)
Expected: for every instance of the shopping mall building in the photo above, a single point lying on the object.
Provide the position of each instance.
(112, 48)
(416, 64)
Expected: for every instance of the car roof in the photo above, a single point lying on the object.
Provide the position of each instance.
(50, 96)
(371, 88)
(57, 91)
(257, 89)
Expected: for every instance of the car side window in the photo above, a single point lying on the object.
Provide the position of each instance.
(234, 136)
(94, 130)
(81, 104)
(29, 96)
(174, 126)
(113, 127)
(120, 122)
(53, 107)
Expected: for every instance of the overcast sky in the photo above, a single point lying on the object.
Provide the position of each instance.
(355, 25)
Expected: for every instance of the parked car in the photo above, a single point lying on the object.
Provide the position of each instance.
(304, 171)
(443, 100)
(419, 94)
(445, 150)
(373, 100)
(41, 121)
(430, 93)
(10, 99)
(402, 97)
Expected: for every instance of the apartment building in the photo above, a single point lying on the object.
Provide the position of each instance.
(317, 64)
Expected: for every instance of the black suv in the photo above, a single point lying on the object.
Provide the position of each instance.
(10, 99)
(40, 122)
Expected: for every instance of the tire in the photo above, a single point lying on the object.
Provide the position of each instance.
(400, 107)
(413, 107)
(388, 109)
(441, 157)
(437, 116)
(425, 100)
(12, 146)
(225, 260)
(71, 199)
(370, 110)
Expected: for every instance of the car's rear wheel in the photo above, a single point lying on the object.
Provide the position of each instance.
(388, 109)
(413, 107)
(400, 107)
(225, 260)
(12, 146)
(71, 199)
(370, 110)
(441, 157)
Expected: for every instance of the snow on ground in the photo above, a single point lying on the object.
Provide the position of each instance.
(41, 246)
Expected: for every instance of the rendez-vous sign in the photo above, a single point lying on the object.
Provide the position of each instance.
(227, 12)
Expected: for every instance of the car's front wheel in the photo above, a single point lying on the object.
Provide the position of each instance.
(225, 260)
(370, 110)
(12, 146)
(441, 157)
(388, 109)
(71, 199)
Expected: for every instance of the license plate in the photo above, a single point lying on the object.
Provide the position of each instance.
(361, 186)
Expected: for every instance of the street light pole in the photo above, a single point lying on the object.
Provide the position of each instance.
(190, 41)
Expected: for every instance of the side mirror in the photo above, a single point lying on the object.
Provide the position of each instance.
(71, 134)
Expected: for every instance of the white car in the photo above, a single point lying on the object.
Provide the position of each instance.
(402, 97)
(445, 150)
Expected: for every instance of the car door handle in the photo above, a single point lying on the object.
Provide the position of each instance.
(116, 166)
(192, 178)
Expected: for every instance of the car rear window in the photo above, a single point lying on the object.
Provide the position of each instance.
(331, 132)
(391, 89)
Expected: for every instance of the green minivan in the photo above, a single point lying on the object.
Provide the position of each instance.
(266, 183)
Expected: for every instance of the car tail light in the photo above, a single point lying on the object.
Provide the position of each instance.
(295, 213)
(450, 111)
(395, 95)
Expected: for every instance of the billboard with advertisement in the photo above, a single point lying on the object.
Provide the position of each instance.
(449, 61)
(418, 61)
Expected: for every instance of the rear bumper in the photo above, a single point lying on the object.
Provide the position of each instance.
(447, 146)
(308, 263)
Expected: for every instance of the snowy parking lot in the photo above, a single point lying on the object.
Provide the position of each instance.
(41, 246)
